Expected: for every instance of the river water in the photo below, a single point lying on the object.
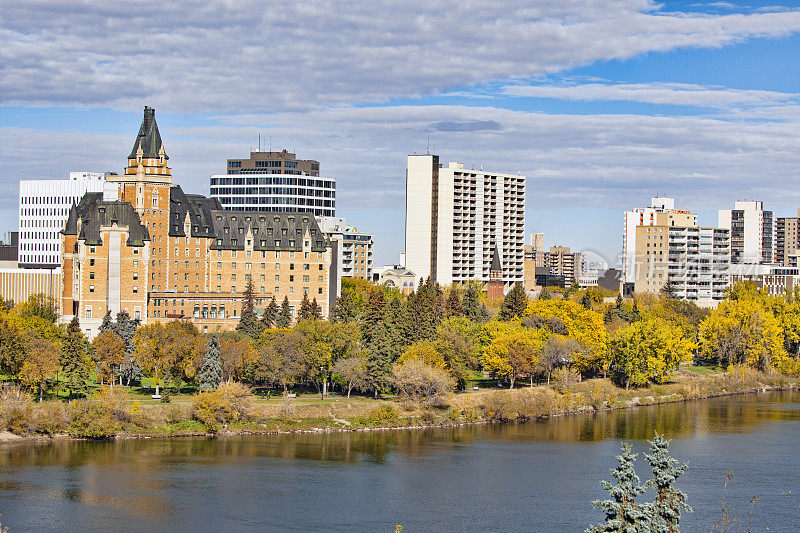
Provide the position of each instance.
(536, 476)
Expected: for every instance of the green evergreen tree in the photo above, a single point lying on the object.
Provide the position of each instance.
(269, 315)
(453, 305)
(665, 511)
(210, 374)
(374, 311)
(316, 309)
(284, 319)
(75, 362)
(108, 323)
(125, 327)
(248, 321)
(387, 341)
(586, 300)
(515, 303)
(668, 290)
(545, 294)
(345, 309)
(472, 301)
(622, 513)
(618, 303)
(305, 309)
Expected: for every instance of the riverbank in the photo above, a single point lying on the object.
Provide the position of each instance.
(55, 420)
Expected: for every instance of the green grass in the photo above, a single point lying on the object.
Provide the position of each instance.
(704, 370)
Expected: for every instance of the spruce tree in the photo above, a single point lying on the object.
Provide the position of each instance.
(586, 300)
(453, 305)
(515, 303)
(316, 309)
(284, 319)
(75, 359)
(374, 311)
(665, 511)
(472, 301)
(622, 513)
(107, 324)
(125, 327)
(269, 315)
(210, 374)
(345, 309)
(248, 321)
(305, 308)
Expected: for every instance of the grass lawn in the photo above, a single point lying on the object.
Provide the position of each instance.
(703, 370)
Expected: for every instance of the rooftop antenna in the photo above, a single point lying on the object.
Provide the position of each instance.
(259, 142)
(294, 145)
(270, 143)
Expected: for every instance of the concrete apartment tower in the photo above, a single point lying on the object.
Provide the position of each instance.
(456, 218)
(787, 240)
(752, 232)
(647, 216)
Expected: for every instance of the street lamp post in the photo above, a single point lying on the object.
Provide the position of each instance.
(321, 385)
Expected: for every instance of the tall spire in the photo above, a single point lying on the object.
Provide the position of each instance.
(148, 139)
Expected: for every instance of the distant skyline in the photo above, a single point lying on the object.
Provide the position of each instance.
(601, 103)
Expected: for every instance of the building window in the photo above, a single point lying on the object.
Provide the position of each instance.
(135, 275)
(91, 275)
(305, 290)
(137, 314)
(319, 290)
(291, 290)
(91, 288)
(291, 278)
(88, 312)
(305, 279)
(135, 289)
(91, 262)
(91, 249)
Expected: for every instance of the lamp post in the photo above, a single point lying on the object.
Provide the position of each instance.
(321, 385)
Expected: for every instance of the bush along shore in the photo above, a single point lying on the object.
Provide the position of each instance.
(232, 409)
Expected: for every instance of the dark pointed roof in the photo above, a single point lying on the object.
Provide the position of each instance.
(496, 266)
(95, 213)
(149, 138)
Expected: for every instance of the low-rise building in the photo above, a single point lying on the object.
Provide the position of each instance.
(397, 277)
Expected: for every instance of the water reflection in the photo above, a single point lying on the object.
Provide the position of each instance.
(364, 480)
(727, 414)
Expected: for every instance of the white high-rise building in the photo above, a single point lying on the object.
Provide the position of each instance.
(43, 208)
(752, 232)
(648, 216)
(457, 217)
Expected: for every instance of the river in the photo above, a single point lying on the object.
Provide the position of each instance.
(535, 476)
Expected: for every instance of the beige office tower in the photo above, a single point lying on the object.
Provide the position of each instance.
(457, 217)
(649, 216)
(696, 260)
(787, 239)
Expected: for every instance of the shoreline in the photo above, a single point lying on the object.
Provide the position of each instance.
(644, 400)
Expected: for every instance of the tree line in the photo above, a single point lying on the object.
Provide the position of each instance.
(378, 340)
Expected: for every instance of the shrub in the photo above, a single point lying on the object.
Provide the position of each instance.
(228, 403)
(90, 420)
(380, 416)
(563, 378)
(501, 405)
(15, 406)
(49, 418)
(175, 414)
(116, 402)
(422, 382)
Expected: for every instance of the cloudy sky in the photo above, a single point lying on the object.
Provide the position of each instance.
(601, 103)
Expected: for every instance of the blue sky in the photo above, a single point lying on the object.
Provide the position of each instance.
(601, 103)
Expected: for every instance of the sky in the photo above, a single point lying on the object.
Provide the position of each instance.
(600, 103)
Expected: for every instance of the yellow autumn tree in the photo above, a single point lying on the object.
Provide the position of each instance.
(742, 331)
(572, 320)
(514, 350)
(648, 350)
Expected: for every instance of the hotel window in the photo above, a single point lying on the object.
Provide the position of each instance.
(305, 279)
(320, 267)
(91, 288)
(219, 288)
(319, 290)
(91, 262)
(137, 314)
(305, 290)
(291, 279)
(291, 290)
(277, 254)
(277, 290)
(88, 312)
(135, 289)
(247, 277)
(247, 266)
(219, 277)
(233, 277)
(91, 249)
(135, 275)
(233, 288)
(91, 275)
(136, 251)
(291, 266)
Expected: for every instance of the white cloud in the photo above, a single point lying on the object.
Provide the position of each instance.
(682, 94)
(247, 55)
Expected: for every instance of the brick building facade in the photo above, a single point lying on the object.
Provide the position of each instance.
(145, 246)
